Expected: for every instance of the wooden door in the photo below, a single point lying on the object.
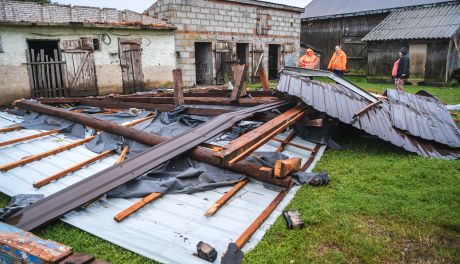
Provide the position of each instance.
(46, 73)
(417, 56)
(257, 52)
(356, 51)
(225, 59)
(130, 53)
(80, 68)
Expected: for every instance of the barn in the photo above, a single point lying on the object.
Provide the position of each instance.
(54, 50)
(430, 34)
(326, 23)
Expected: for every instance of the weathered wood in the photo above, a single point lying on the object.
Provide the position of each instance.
(284, 167)
(285, 141)
(74, 168)
(293, 144)
(238, 73)
(26, 138)
(178, 87)
(79, 70)
(247, 143)
(200, 100)
(367, 108)
(199, 153)
(225, 198)
(260, 70)
(138, 205)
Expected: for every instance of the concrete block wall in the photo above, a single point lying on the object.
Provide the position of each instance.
(214, 21)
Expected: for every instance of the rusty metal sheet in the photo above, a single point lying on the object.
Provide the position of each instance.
(343, 101)
(423, 116)
(102, 182)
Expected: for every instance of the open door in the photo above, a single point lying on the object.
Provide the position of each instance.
(273, 61)
(417, 56)
(130, 53)
(203, 63)
(80, 68)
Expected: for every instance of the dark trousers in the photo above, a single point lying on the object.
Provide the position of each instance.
(338, 73)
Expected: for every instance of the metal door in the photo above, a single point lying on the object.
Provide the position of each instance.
(80, 67)
(130, 53)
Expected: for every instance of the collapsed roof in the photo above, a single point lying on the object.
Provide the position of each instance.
(419, 124)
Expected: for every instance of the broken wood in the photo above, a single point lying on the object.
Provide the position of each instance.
(136, 206)
(238, 73)
(367, 108)
(11, 128)
(123, 154)
(249, 142)
(263, 74)
(74, 168)
(199, 153)
(284, 167)
(54, 151)
(293, 144)
(224, 199)
(38, 135)
(201, 100)
(178, 87)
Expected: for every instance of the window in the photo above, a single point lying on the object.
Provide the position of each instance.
(96, 44)
(262, 24)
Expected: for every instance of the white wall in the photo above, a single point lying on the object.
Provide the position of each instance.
(158, 57)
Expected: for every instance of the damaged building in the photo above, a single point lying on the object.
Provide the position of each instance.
(61, 50)
(212, 36)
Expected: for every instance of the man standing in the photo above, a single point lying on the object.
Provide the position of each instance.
(309, 60)
(338, 62)
(401, 69)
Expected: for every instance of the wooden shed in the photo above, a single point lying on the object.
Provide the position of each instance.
(327, 23)
(430, 34)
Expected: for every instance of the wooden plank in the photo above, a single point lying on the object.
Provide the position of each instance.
(59, 85)
(74, 168)
(43, 74)
(54, 151)
(247, 143)
(48, 77)
(225, 198)
(136, 206)
(178, 87)
(30, 73)
(367, 108)
(285, 141)
(284, 167)
(79, 70)
(238, 73)
(311, 158)
(22, 139)
(11, 128)
(293, 144)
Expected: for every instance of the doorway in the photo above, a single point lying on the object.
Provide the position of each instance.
(45, 68)
(242, 52)
(130, 53)
(273, 61)
(203, 62)
(417, 57)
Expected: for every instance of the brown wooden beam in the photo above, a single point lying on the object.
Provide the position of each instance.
(22, 139)
(201, 100)
(123, 154)
(136, 206)
(238, 74)
(11, 128)
(224, 199)
(74, 168)
(178, 87)
(285, 141)
(284, 167)
(199, 153)
(249, 142)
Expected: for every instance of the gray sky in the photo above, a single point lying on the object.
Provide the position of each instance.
(141, 5)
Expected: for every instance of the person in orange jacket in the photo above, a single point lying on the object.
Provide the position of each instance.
(338, 62)
(309, 60)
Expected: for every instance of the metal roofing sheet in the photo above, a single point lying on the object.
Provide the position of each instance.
(319, 9)
(166, 230)
(420, 23)
(423, 116)
(342, 103)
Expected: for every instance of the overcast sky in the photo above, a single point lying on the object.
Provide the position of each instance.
(141, 5)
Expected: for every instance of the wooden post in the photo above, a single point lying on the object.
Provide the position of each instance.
(263, 74)
(178, 87)
(123, 154)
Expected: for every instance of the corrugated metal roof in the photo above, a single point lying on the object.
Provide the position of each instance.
(166, 230)
(420, 23)
(424, 117)
(322, 9)
(343, 103)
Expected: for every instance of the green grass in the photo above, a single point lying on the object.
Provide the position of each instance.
(382, 205)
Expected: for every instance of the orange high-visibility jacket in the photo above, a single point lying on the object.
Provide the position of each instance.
(338, 62)
(309, 60)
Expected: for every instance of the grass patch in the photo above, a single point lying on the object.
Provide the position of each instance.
(383, 205)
